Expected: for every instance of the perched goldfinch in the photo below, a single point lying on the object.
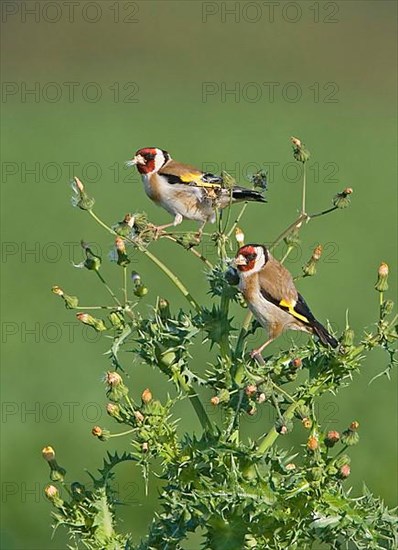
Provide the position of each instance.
(184, 191)
(271, 296)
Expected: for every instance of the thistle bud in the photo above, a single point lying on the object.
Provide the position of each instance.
(351, 436)
(239, 236)
(215, 400)
(141, 291)
(299, 152)
(116, 320)
(78, 491)
(80, 197)
(296, 363)
(261, 398)
(114, 410)
(224, 396)
(116, 389)
(51, 491)
(307, 423)
(283, 426)
(146, 396)
(341, 460)
(302, 412)
(57, 290)
(296, 142)
(382, 279)
(251, 390)
(48, 453)
(164, 309)
(290, 467)
(342, 200)
(310, 268)
(92, 264)
(100, 433)
(92, 261)
(86, 319)
(139, 416)
(52, 494)
(122, 258)
(71, 302)
(312, 443)
(145, 447)
(332, 437)
(56, 472)
(345, 471)
(129, 220)
(348, 337)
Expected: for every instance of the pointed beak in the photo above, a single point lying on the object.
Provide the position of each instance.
(240, 260)
(138, 159)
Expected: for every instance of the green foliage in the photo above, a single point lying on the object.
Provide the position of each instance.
(238, 494)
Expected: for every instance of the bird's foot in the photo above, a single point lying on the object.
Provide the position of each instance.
(255, 353)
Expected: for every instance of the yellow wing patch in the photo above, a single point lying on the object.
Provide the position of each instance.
(290, 307)
(190, 177)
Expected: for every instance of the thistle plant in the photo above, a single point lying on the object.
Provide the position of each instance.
(238, 493)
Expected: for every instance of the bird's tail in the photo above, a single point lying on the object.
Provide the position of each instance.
(243, 194)
(323, 335)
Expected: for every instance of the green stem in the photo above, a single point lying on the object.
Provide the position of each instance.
(239, 345)
(176, 281)
(197, 405)
(200, 411)
(303, 206)
(181, 287)
(289, 249)
(228, 212)
(295, 225)
(272, 435)
(224, 342)
(94, 307)
(108, 288)
(125, 284)
(332, 209)
(192, 250)
(122, 433)
(235, 224)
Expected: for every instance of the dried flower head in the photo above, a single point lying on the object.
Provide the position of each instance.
(57, 290)
(382, 278)
(345, 471)
(239, 236)
(146, 396)
(332, 437)
(48, 453)
(250, 390)
(113, 378)
(312, 443)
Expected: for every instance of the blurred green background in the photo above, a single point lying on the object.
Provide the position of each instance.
(111, 77)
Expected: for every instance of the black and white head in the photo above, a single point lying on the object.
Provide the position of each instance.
(251, 258)
(149, 160)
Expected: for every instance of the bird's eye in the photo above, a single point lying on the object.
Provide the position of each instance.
(251, 257)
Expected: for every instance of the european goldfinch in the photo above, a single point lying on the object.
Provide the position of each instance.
(271, 296)
(184, 191)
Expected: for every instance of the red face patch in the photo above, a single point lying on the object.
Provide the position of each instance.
(250, 255)
(149, 154)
